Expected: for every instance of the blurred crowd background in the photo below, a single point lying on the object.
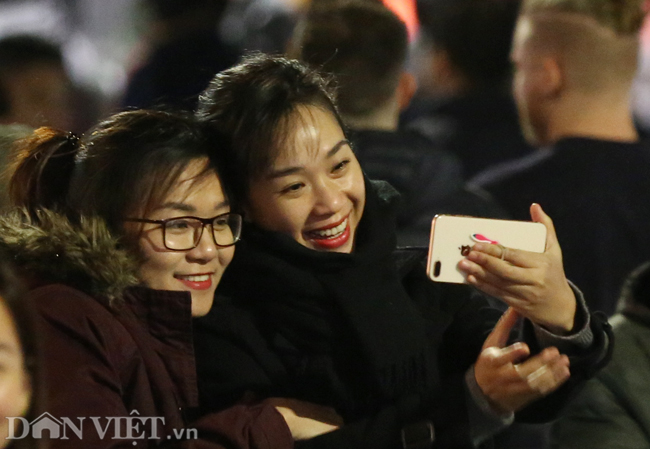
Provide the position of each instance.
(439, 122)
(112, 50)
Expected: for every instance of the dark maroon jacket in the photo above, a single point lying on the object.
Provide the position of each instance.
(120, 356)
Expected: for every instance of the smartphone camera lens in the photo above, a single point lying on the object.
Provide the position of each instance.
(436, 269)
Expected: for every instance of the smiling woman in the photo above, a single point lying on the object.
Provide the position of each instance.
(315, 196)
(175, 254)
(324, 308)
(112, 241)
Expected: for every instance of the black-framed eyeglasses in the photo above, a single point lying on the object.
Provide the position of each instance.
(184, 233)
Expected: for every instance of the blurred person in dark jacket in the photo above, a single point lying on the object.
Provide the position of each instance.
(613, 410)
(470, 110)
(365, 46)
(184, 51)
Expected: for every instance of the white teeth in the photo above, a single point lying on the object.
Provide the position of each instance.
(201, 278)
(333, 232)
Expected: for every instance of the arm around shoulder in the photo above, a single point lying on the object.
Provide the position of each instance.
(242, 427)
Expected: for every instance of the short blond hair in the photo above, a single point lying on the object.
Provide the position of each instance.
(596, 40)
(623, 17)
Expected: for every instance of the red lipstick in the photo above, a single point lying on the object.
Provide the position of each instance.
(196, 282)
(333, 241)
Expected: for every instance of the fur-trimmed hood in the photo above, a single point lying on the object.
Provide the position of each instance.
(52, 249)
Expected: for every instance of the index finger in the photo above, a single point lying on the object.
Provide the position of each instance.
(502, 259)
(501, 332)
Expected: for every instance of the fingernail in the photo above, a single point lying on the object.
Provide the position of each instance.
(518, 345)
(513, 347)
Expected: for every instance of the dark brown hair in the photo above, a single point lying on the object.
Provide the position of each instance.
(363, 44)
(475, 34)
(126, 164)
(252, 105)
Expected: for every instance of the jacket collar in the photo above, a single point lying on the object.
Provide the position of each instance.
(163, 313)
(162, 320)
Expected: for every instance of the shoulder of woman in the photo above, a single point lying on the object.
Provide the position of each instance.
(73, 322)
(63, 304)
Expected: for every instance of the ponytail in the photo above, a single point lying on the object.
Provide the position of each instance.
(42, 168)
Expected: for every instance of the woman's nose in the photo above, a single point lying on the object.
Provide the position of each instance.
(329, 198)
(206, 249)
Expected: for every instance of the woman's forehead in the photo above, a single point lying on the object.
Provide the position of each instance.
(310, 132)
(183, 184)
(195, 182)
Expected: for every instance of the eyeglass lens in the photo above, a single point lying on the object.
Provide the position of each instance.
(185, 233)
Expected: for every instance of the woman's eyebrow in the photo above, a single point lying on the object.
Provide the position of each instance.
(274, 174)
(183, 207)
(291, 170)
(222, 205)
(335, 149)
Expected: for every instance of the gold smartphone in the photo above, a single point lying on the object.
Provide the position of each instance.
(452, 237)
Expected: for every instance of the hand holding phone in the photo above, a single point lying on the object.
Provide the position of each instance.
(533, 283)
(453, 236)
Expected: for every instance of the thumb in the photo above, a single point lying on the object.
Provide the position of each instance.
(501, 332)
(538, 215)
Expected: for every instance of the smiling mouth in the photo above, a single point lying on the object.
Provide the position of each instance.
(329, 233)
(196, 281)
(193, 278)
(331, 238)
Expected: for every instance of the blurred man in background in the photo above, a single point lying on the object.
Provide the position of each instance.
(35, 89)
(574, 66)
(469, 110)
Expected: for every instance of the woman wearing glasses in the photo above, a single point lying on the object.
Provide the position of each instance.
(123, 236)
